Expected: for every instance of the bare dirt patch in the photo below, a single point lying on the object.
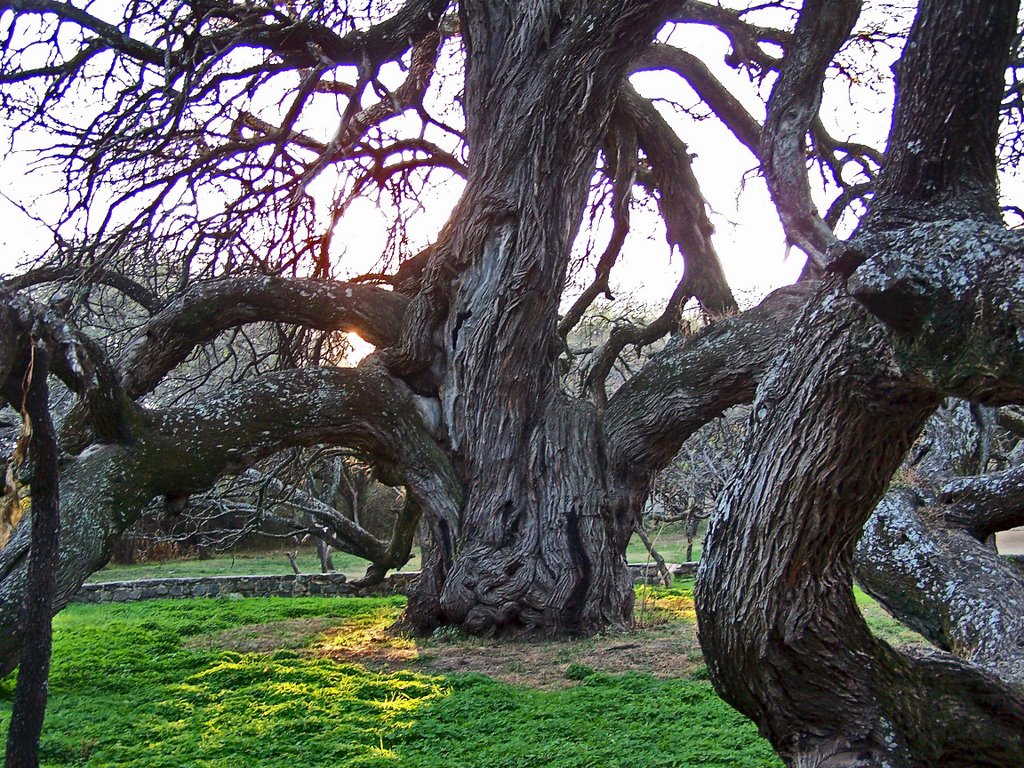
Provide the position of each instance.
(666, 647)
(670, 652)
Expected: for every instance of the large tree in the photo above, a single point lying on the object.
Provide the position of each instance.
(189, 216)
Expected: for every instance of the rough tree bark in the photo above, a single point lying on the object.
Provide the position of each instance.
(540, 540)
(931, 310)
(27, 390)
(528, 496)
(924, 555)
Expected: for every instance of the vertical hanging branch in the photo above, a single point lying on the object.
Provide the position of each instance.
(30, 691)
(823, 27)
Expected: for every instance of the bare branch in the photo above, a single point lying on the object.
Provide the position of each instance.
(726, 107)
(746, 38)
(682, 205)
(135, 291)
(621, 158)
(205, 309)
(823, 26)
(353, 538)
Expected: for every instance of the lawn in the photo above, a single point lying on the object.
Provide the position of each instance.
(274, 682)
(322, 682)
(671, 545)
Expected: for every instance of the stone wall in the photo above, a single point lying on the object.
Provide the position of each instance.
(287, 585)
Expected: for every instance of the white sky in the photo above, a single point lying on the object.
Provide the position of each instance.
(748, 236)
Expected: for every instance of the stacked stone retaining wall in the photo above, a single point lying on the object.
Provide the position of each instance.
(286, 585)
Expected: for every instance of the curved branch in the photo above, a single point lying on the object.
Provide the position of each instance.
(942, 581)
(203, 310)
(137, 292)
(687, 227)
(308, 43)
(777, 616)
(708, 88)
(985, 504)
(185, 450)
(744, 37)
(303, 43)
(823, 26)
(694, 379)
(348, 535)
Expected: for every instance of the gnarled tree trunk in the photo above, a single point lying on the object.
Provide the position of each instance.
(931, 309)
(785, 640)
(539, 546)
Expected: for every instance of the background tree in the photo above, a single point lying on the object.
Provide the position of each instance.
(685, 491)
(194, 198)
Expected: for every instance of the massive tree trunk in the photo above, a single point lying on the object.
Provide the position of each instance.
(785, 640)
(931, 309)
(540, 544)
(528, 497)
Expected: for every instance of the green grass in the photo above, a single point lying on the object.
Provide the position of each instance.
(882, 624)
(134, 685)
(670, 544)
(672, 547)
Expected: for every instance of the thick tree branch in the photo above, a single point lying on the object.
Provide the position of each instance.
(949, 289)
(205, 309)
(694, 379)
(184, 450)
(708, 88)
(823, 26)
(303, 43)
(745, 38)
(687, 227)
(829, 428)
(941, 156)
(942, 581)
(985, 504)
(681, 203)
